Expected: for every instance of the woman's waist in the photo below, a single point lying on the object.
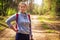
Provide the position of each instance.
(23, 25)
(23, 30)
(22, 34)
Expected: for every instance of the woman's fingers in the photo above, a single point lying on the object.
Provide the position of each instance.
(16, 30)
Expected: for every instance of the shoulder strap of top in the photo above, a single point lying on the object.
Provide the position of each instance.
(30, 28)
(29, 16)
(16, 19)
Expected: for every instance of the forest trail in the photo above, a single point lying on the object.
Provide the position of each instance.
(39, 33)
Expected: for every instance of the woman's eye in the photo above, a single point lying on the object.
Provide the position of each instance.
(22, 6)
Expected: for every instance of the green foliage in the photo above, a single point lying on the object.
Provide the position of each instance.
(45, 26)
(2, 21)
(58, 7)
(1, 28)
(50, 31)
(3, 7)
(53, 8)
(49, 7)
(37, 9)
(3, 25)
(10, 11)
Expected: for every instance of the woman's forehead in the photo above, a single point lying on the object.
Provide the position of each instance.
(22, 5)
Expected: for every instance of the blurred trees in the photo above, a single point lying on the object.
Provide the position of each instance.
(49, 7)
(4, 5)
(58, 7)
(8, 5)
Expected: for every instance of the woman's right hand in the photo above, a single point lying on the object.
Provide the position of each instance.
(14, 29)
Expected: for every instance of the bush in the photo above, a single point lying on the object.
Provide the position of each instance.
(10, 11)
(45, 26)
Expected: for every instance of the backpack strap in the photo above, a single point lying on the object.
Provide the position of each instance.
(29, 25)
(29, 17)
(16, 19)
(31, 36)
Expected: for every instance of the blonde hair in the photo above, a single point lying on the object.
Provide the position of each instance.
(20, 3)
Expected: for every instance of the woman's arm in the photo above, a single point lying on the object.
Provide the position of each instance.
(9, 20)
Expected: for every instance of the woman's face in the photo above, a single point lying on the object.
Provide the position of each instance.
(22, 7)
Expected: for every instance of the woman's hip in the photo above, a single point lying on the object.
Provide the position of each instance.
(20, 36)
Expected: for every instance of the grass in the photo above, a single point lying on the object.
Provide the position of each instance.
(45, 26)
(51, 31)
(1, 28)
(47, 19)
(12, 38)
(2, 23)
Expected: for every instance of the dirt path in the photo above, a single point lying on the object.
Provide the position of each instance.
(9, 34)
(38, 33)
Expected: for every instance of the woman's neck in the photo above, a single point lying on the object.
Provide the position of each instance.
(23, 12)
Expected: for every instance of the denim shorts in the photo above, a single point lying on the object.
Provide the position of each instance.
(20, 36)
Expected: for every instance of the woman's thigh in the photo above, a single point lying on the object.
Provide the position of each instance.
(20, 36)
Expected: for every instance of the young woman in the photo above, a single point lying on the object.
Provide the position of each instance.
(22, 30)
